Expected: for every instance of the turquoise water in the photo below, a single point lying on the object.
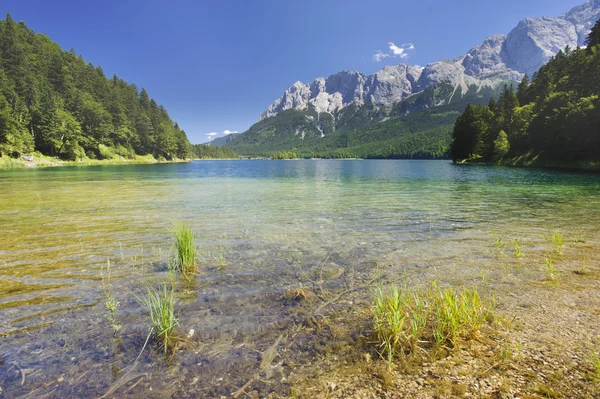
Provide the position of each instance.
(262, 227)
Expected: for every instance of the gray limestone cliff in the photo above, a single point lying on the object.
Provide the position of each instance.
(498, 59)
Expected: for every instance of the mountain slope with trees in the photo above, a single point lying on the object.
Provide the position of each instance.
(417, 127)
(553, 119)
(54, 102)
(207, 151)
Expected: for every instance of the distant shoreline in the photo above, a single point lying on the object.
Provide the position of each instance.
(529, 161)
(7, 163)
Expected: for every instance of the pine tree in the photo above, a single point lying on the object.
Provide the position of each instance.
(144, 99)
(12, 56)
(469, 132)
(493, 106)
(593, 38)
(522, 90)
(508, 102)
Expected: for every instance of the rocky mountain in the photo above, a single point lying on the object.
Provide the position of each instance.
(497, 60)
(407, 111)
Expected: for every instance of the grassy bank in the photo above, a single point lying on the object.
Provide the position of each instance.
(534, 161)
(531, 160)
(42, 161)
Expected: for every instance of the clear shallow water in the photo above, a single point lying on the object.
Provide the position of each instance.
(277, 223)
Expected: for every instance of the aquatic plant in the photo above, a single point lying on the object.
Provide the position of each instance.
(557, 240)
(552, 272)
(402, 319)
(459, 314)
(160, 304)
(517, 243)
(390, 311)
(220, 260)
(112, 304)
(185, 249)
(499, 243)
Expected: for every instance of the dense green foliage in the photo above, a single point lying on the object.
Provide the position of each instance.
(555, 117)
(207, 151)
(418, 127)
(284, 155)
(53, 102)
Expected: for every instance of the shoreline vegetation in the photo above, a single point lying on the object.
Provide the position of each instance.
(552, 121)
(43, 161)
(529, 161)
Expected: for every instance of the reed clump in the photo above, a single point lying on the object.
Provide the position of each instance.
(518, 247)
(558, 241)
(552, 272)
(111, 304)
(160, 305)
(185, 259)
(404, 320)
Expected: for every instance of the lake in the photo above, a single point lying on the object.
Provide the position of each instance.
(70, 234)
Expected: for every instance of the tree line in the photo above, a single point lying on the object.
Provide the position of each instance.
(206, 151)
(556, 116)
(54, 102)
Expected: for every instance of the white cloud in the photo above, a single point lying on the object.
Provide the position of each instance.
(394, 51)
(226, 132)
(380, 55)
(212, 134)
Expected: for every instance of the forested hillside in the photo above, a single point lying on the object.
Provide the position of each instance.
(206, 151)
(555, 118)
(54, 102)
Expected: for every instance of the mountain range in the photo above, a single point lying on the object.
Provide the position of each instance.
(348, 102)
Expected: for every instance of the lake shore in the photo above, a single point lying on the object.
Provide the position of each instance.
(546, 347)
(534, 161)
(42, 161)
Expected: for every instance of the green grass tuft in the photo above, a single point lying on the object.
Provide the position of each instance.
(552, 272)
(517, 243)
(557, 239)
(160, 304)
(185, 249)
(402, 319)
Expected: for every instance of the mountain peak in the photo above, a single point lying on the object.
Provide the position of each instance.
(499, 58)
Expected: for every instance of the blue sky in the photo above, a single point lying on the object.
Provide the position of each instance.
(217, 64)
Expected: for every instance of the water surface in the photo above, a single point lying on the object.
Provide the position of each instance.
(278, 224)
